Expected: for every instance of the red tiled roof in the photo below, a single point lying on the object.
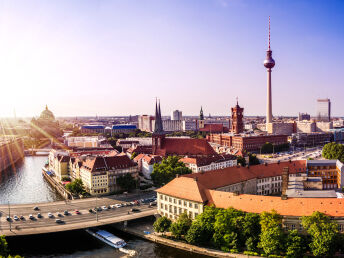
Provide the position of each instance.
(186, 146)
(185, 188)
(213, 128)
(203, 161)
(139, 157)
(232, 175)
(140, 149)
(290, 207)
(152, 159)
(106, 163)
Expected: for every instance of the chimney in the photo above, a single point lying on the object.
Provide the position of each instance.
(285, 180)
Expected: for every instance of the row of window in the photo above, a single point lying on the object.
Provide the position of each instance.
(180, 202)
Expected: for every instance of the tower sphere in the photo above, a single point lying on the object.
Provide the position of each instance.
(269, 62)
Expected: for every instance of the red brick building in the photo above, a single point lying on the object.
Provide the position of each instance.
(246, 143)
(237, 116)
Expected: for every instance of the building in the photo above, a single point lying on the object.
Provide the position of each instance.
(269, 63)
(245, 188)
(173, 125)
(93, 129)
(305, 126)
(329, 170)
(324, 110)
(200, 164)
(146, 163)
(126, 144)
(84, 141)
(100, 174)
(59, 163)
(324, 126)
(247, 142)
(237, 119)
(304, 116)
(310, 139)
(176, 115)
(146, 123)
(163, 146)
(123, 128)
(11, 151)
(285, 128)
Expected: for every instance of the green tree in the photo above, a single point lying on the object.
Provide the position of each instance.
(295, 246)
(76, 187)
(271, 237)
(127, 182)
(267, 148)
(323, 232)
(167, 170)
(333, 151)
(181, 226)
(253, 160)
(241, 160)
(202, 228)
(251, 230)
(162, 224)
(4, 251)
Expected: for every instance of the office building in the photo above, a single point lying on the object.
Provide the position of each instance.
(176, 115)
(324, 110)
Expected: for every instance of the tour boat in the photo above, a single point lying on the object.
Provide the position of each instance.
(107, 237)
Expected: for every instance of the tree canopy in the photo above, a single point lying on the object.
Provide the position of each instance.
(333, 151)
(76, 187)
(181, 226)
(167, 170)
(127, 182)
(162, 224)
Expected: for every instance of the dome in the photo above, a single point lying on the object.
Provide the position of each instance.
(47, 114)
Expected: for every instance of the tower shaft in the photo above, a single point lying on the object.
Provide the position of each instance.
(269, 98)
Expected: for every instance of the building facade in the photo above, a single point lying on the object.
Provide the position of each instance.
(176, 115)
(237, 119)
(324, 110)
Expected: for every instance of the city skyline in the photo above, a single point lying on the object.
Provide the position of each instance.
(94, 58)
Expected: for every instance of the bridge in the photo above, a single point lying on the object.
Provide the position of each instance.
(37, 152)
(70, 222)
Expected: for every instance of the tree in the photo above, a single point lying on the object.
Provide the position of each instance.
(323, 232)
(127, 182)
(295, 246)
(267, 148)
(3, 246)
(271, 237)
(167, 170)
(162, 224)
(333, 151)
(253, 160)
(251, 230)
(76, 187)
(241, 160)
(202, 228)
(181, 226)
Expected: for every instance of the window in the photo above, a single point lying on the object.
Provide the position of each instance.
(185, 204)
(161, 197)
(190, 204)
(180, 202)
(162, 206)
(196, 206)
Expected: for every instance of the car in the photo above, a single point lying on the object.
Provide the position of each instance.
(50, 215)
(135, 210)
(129, 204)
(133, 203)
(15, 217)
(77, 212)
(22, 217)
(152, 203)
(104, 208)
(112, 206)
(59, 214)
(36, 208)
(137, 202)
(39, 216)
(90, 211)
(59, 221)
(118, 205)
(66, 213)
(31, 217)
(8, 218)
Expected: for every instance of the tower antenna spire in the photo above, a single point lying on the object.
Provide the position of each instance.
(269, 33)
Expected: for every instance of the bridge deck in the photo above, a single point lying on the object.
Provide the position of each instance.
(72, 221)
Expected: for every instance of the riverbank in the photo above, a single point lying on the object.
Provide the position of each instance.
(146, 231)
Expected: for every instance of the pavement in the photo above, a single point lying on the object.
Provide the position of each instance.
(72, 221)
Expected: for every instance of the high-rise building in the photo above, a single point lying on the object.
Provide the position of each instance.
(237, 116)
(269, 63)
(304, 116)
(176, 115)
(324, 110)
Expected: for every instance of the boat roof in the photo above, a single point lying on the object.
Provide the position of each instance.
(109, 236)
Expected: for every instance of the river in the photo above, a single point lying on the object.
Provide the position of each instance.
(25, 184)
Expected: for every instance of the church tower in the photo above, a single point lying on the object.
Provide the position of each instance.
(158, 135)
(237, 119)
(201, 119)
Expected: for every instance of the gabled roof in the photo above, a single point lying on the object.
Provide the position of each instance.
(186, 146)
(184, 188)
(108, 163)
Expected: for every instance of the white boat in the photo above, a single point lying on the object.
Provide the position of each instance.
(107, 237)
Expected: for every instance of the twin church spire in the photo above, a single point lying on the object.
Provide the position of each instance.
(158, 120)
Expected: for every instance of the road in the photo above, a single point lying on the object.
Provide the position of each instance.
(73, 220)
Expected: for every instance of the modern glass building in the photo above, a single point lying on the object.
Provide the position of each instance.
(324, 110)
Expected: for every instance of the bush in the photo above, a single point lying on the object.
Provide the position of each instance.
(234, 251)
(251, 253)
(162, 224)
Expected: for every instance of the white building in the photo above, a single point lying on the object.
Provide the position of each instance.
(176, 115)
(200, 164)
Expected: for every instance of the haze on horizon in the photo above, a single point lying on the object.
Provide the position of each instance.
(84, 58)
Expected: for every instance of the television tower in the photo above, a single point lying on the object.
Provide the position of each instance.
(269, 63)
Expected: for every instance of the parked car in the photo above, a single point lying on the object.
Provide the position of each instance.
(104, 208)
(66, 213)
(50, 215)
(118, 205)
(58, 221)
(35, 208)
(135, 210)
(90, 211)
(39, 215)
(59, 214)
(8, 218)
(77, 212)
(15, 217)
(112, 206)
(22, 217)
(31, 217)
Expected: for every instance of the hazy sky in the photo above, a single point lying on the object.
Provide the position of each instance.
(114, 57)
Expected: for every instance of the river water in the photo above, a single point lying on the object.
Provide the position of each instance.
(25, 184)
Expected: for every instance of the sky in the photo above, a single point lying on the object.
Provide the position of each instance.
(85, 58)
